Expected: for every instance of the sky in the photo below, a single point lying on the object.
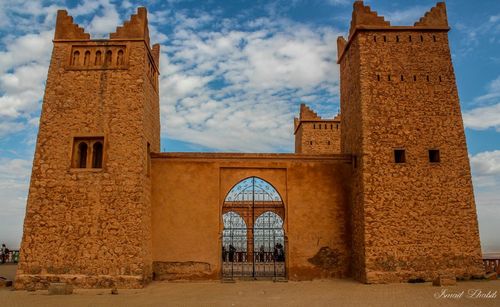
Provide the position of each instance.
(233, 74)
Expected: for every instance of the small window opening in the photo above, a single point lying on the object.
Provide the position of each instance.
(399, 156)
(389, 77)
(326, 126)
(314, 126)
(97, 155)
(76, 58)
(397, 38)
(337, 126)
(108, 58)
(378, 77)
(311, 142)
(86, 58)
(319, 126)
(434, 38)
(98, 60)
(385, 39)
(414, 78)
(421, 38)
(82, 155)
(328, 142)
(402, 78)
(331, 126)
(374, 38)
(434, 156)
(440, 80)
(409, 38)
(354, 161)
(119, 58)
(428, 79)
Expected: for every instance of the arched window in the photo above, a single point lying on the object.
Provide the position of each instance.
(98, 59)
(97, 155)
(109, 57)
(86, 58)
(76, 58)
(269, 237)
(82, 155)
(119, 59)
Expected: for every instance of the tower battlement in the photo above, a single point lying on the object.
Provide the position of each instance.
(316, 135)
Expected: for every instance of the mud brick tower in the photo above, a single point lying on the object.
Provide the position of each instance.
(316, 135)
(88, 218)
(413, 210)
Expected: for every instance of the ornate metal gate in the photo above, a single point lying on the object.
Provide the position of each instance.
(253, 239)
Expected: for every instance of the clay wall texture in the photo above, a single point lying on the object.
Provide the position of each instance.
(188, 194)
(92, 226)
(415, 219)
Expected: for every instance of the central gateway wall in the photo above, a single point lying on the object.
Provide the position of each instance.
(189, 190)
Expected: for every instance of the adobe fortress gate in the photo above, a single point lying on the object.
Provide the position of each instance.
(253, 238)
(382, 192)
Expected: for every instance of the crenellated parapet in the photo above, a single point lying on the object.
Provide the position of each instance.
(362, 15)
(66, 29)
(435, 17)
(135, 28)
(364, 19)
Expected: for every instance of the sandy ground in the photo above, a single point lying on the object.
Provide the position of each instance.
(263, 293)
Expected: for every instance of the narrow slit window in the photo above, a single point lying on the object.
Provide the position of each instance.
(402, 78)
(434, 38)
(421, 38)
(409, 38)
(399, 156)
(440, 79)
(374, 38)
(82, 155)
(378, 77)
(86, 58)
(428, 79)
(119, 58)
(397, 39)
(98, 60)
(328, 142)
(97, 155)
(314, 126)
(434, 156)
(76, 58)
(385, 39)
(389, 77)
(311, 142)
(109, 57)
(414, 78)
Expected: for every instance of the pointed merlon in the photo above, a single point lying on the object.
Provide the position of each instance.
(341, 42)
(66, 29)
(435, 17)
(155, 51)
(307, 114)
(136, 27)
(362, 15)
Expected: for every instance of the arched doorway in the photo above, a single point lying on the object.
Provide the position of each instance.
(253, 237)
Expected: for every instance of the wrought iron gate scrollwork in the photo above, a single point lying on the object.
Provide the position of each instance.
(253, 237)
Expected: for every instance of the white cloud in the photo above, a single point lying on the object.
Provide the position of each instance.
(407, 16)
(487, 115)
(486, 163)
(14, 181)
(486, 176)
(238, 89)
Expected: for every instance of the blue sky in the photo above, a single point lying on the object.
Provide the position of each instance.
(233, 74)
